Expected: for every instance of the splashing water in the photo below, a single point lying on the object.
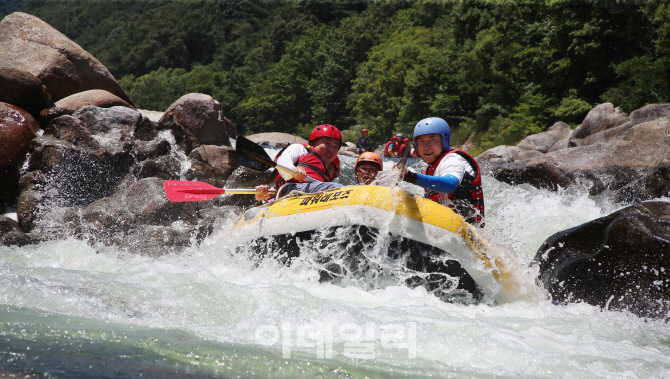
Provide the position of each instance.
(68, 311)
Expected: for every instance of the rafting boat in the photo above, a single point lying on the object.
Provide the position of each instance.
(377, 235)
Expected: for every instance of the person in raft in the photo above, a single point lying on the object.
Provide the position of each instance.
(393, 146)
(363, 144)
(405, 145)
(307, 160)
(452, 176)
(366, 168)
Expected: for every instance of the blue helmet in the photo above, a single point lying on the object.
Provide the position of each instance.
(434, 125)
(399, 135)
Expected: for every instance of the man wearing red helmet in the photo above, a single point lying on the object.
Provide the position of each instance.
(405, 145)
(314, 160)
(363, 144)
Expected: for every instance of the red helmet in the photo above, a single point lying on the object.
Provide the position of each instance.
(364, 131)
(325, 130)
(405, 140)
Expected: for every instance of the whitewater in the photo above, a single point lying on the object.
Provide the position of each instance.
(68, 309)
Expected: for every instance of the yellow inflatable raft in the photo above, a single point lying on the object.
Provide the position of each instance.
(358, 232)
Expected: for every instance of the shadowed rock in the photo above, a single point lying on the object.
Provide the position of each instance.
(24, 90)
(245, 178)
(617, 262)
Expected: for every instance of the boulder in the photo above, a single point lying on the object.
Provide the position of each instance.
(195, 119)
(212, 164)
(278, 140)
(112, 127)
(8, 225)
(24, 90)
(498, 154)
(17, 129)
(49, 114)
(99, 98)
(30, 198)
(625, 158)
(12, 235)
(542, 142)
(602, 117)
(617, 262)
(9, 191)
(154, 116)
(649, 113)
(244, 177)
(29, 44)
(138, 218)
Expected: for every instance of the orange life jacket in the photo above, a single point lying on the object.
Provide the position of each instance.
(468, 198)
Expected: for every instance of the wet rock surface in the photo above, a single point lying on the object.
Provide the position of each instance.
(617, 262)
(98, 175)
(17, 129)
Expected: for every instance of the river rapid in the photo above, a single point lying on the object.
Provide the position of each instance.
(70, 310)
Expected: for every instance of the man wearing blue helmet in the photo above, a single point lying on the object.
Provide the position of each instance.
(452, 176)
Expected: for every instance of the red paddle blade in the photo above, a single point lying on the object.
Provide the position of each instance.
(177, 190)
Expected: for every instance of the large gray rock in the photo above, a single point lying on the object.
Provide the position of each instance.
(602, 117)
(195, 119)
(649, 113)
(616, 152)
(276, 139)
(29, 44)
(617, 262)
(24, 90)
(542, 142)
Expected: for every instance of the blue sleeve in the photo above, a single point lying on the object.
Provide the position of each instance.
(444, 184)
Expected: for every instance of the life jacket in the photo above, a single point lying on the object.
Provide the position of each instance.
(314, 166)
(386, 148)
(468, 198)
(396, 148)
(401, 151)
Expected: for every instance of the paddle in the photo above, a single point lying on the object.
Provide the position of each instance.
(178, 190)
(252, 155)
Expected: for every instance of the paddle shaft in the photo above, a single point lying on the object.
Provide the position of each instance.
(179, 190)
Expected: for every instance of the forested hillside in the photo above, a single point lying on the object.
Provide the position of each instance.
(502, 69)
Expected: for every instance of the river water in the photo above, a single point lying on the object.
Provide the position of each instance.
(70, 310)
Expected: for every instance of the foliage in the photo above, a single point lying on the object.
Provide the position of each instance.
(502, 70)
